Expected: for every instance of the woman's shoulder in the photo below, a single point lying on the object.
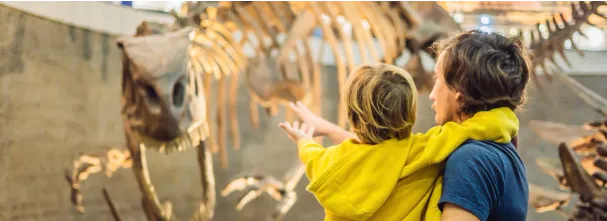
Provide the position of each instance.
(486, 152)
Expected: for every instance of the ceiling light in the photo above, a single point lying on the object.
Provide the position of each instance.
(527, 36)
(568, 44)
(366, 25)
(596, 37)
(513, 31)
(326, 19)
(485, 20)
(458, 17)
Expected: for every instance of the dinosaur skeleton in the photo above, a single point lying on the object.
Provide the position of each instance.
(163, 109)
(558, 33)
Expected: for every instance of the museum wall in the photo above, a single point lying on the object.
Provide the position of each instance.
(60, 96)
(94, 15)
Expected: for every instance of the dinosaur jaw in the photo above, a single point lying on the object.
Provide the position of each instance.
(195, 134)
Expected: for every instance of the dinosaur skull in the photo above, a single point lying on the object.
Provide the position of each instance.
(162, 96)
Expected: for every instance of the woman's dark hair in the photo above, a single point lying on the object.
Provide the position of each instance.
(489, 69)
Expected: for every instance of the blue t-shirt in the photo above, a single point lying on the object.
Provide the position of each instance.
(488, 179)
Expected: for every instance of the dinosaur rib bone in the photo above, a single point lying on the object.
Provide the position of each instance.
(341, 69)
(591, 98)
(363, 38)
(556, 133)
(345, 38)
(546, 200)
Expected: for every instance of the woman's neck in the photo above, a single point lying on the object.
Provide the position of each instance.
(461, 117)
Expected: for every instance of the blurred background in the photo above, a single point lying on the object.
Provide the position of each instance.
(60, 77)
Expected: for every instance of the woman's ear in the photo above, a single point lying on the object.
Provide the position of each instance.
(459, 100)
(459, 97)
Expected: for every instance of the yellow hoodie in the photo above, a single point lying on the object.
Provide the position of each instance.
(396, 179)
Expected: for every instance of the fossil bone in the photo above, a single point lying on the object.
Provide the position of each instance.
(543, 199)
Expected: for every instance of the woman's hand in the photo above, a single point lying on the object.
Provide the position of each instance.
(296, 133)
(321, 126)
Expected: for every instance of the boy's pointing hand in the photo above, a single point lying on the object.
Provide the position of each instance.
(297, 133)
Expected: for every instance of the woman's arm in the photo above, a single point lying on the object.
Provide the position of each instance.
(452, 212)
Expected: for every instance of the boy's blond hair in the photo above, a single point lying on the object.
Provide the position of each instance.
(381, 101)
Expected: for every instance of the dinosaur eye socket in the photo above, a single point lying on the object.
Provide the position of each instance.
(178, 94)
(149, 93)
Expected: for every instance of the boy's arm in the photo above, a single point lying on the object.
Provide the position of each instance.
(337, 134)
(315, 157)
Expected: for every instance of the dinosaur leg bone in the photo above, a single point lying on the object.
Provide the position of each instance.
(154, 210)
(281, 191)
(205, 162)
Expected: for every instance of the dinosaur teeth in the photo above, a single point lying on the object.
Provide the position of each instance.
(192, 138)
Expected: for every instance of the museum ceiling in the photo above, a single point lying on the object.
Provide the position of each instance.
(512, 13)
(469, 13)
(506, 17)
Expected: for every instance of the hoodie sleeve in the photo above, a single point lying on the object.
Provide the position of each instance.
(342, 175)
(310, 152)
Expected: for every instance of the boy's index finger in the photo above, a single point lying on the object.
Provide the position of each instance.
(294, 106)
(301, 106)
(285, 125)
